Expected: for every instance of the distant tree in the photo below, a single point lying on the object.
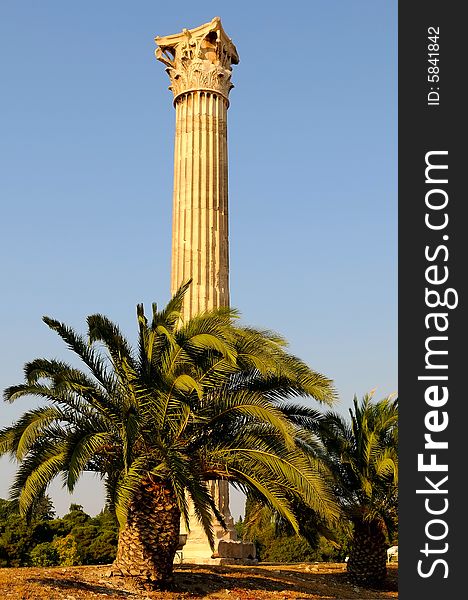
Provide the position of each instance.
(239, 527)
(7, 508)
(95, 538)
(106, 520)
(16, 536)
(289, 549)
(44, 555)
(67, 550)
(75, 517)
(43, 509)
(74, 539)
(103, 549)
(4, 558)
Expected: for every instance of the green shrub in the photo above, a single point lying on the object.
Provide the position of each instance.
(44, 555)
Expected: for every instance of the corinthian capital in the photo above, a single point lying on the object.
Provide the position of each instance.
(198, 59)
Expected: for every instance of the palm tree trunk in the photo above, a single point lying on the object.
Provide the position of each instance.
(149, 539)
(367, 564)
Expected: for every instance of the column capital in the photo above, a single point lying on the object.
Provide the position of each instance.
(198, 59)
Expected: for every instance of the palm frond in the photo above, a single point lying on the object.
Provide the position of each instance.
(34, 475)
(87, 354)
(81, 452)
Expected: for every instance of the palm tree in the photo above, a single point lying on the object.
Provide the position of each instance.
(363, 458)
(196, 402)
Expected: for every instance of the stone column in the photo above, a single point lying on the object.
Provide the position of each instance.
(198, 62)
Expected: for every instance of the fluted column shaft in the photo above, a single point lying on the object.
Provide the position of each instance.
(200, 242)
(200, 245)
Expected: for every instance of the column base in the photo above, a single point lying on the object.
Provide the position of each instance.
(217, 561)
(227, 552)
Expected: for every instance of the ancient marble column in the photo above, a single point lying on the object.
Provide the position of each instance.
(198, 62)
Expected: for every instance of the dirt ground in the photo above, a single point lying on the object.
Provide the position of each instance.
(317, 581)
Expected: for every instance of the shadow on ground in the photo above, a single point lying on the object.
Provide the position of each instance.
(298, 579)
(74, 585)
(307, 581)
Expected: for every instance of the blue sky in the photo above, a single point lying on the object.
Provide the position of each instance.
(86, 155)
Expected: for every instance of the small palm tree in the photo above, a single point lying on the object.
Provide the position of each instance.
(196, 402)
(363, 458)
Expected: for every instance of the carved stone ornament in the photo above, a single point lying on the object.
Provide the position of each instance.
(198, 59)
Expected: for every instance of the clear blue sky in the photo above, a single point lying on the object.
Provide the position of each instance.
(86, 158)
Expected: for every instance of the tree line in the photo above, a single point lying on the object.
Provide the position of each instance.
(45, 541)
